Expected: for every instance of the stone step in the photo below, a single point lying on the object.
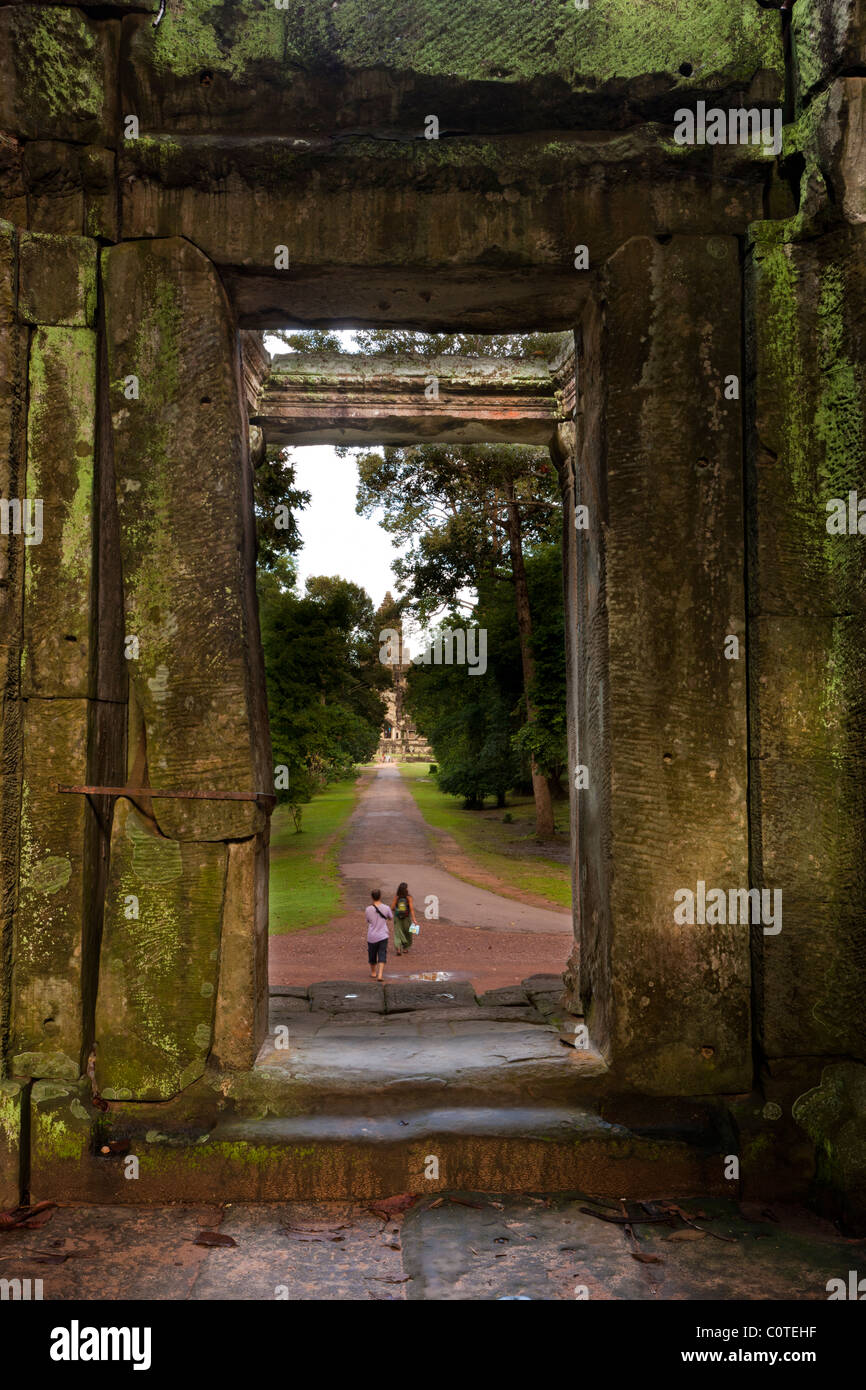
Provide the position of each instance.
(400, 1064)
(345, 1155)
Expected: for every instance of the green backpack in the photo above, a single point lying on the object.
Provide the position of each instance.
(402, 907)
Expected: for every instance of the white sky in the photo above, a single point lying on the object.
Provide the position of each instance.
(336, 540)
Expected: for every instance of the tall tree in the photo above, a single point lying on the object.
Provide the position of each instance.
(464, 513)
(277, 502)
(477, 727)
(323, 677)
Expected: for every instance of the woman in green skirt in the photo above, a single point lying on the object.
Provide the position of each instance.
(404, 916)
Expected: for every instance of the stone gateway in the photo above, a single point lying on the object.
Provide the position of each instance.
(170, 191)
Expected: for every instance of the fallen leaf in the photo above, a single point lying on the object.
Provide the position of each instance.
(213, 1238)
(646, 1259)
(31, 1217)
(60, 1257)
(34, 1223)
(689, 1234)
(389, 1207)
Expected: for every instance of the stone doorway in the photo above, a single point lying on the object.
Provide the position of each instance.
(714, 293)
(359, 399)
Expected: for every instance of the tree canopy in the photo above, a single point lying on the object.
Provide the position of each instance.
(323, 677)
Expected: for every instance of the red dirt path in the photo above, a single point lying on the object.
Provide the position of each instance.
(489, 959)
(388, 839)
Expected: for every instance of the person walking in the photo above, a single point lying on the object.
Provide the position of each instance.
(378, 916)
(404, 916)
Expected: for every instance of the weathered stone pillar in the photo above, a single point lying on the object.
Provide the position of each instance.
(808, 617)
(57, 296)
(13, 406)
(13, 1099)
(198, 718)
(661, 710)
(807, 589)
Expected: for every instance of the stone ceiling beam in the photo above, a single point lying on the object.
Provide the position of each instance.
(482, 233)
(328, 398)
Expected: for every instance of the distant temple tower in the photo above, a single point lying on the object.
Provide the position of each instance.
(400, 740)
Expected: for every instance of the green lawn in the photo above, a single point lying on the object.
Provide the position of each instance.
(305, 886)
(500, 848)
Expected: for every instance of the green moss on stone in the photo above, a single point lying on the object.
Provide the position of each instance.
(57, 1138)
(50, 1064)
(58, 61)
(619, 39)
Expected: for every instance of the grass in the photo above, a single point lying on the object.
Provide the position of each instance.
(500, 848)
(305, 888)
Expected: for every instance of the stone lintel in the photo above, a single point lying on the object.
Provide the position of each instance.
(327, 398)
(482, 232)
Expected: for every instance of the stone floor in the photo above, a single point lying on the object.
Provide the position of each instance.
(454, 1246)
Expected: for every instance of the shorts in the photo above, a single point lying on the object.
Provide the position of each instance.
(377, 952)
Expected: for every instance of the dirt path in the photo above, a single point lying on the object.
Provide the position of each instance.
(478, 934)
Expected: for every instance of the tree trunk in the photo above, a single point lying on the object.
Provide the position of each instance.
(544, 828)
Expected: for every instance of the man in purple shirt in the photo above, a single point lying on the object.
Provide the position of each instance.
(378, 916)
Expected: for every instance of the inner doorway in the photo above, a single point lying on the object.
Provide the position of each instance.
(488, 885)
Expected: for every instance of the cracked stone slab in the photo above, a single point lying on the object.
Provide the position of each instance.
(347, 996)
(509, 996)
(420, 994)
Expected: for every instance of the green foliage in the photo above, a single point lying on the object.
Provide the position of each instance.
(476, 723)
(445, 504)
(305, 886)
(277, 502)
(323, 677)
(309, 340)
(545, 738)
(406, 343)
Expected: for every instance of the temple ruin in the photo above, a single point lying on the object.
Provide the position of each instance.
(174, 183)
